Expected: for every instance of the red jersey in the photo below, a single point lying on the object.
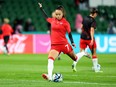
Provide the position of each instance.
(6, 29)
(59, 28)
(0, 34)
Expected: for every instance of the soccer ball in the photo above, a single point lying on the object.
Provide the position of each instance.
(3, 49)
(98, 67)
(57, 77)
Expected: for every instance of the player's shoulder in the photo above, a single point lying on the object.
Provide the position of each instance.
(49, 18)
(65, 21)
(3, 25)
(91, 19)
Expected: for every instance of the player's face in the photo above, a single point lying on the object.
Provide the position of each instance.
(59, 14)
(95, 15)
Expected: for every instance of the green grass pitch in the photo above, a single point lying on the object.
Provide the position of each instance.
(25, 70)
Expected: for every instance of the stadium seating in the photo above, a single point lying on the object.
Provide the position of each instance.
(29, 9)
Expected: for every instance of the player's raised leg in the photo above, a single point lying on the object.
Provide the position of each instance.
(75, 57)
(79, 55)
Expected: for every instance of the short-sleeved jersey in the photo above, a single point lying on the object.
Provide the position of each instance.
(6, 29)
(59, 30)
(88, 22)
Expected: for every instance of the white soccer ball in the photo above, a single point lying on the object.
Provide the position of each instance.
(57, 77)
(98, 67)
(3, 49)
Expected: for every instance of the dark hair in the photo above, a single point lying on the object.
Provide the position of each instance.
(60, 7)
(93, 10)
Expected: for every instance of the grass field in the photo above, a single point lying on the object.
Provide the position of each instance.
(25, 70)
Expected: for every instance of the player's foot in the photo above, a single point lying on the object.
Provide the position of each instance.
(87, 55)
(98, 69)
(45, 76)
(8, 53)
(74, 68)
(59, 58)
(4, 50)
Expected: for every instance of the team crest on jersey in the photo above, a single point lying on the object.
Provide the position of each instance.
(61, 23)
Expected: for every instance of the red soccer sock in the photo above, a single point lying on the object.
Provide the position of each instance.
(94, 57)
(51, 58)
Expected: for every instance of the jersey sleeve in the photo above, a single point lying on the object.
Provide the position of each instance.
(68, 27)
(49, 20)
(93, 24)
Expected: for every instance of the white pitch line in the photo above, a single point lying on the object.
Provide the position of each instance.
(22, 80)
(90, 83)
(107, 76)
(95, 76)
(65, 82)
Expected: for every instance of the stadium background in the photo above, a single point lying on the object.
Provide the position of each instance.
(39, 39)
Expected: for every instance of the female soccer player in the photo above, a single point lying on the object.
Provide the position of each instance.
(87, 38)
(59, 27)
(6, 32)
(49, 31)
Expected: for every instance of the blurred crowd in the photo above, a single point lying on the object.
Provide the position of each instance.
(19, 25)
(111, 27)
(81, 4)
(7, 30)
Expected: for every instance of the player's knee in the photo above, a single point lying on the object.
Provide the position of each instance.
(75, 59)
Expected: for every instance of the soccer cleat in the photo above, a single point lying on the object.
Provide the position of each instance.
(87, 55)
(3, 49)
(97, 70)
(59, 58)
(8, 53)
(74, 68)
(45, 76)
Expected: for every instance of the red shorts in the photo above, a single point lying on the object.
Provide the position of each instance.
(85, 43)
(65, 48)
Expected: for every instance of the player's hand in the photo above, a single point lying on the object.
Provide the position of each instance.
(73, 45)
(40, 5)
(91, 43)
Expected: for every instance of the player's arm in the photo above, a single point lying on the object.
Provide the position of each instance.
(40, 5)
(92, 35)
(70, 34)
(71, 39)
